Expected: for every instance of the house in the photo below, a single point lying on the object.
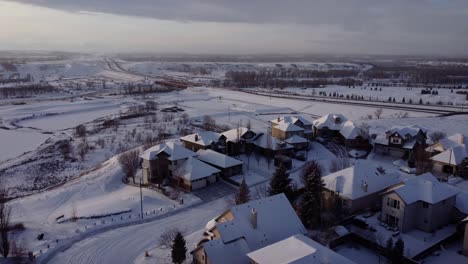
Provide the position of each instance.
(246, 228)
(400, 141)
(205, 140)
(269, 145)
(360, 186)
(421, 202)
(194, 174)
(297, 249)
(238, 139)
(451, 156)
(227, 165)
(298, 142)
(288, 126)
(465, 237)
(159, 162)
(338, 128)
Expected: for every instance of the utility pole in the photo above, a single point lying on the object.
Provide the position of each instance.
(141, 200)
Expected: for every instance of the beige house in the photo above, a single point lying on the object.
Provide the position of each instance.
(288, 126)
(421, 202)
(230, 237)
(205, 140)
(450, 156)
(194, 174)
(360, 186)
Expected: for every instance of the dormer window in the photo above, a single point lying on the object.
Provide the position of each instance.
(395, 140)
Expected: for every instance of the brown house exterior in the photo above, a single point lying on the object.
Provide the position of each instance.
(288, 126)
(238, 140)
(205, 140)
(400, 142)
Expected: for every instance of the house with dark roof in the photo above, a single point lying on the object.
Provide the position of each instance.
(421, 202)
(238, 140)
(245, 228)
(400, 141)
(269, 145)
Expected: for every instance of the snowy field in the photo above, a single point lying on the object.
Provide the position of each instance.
(15, 143)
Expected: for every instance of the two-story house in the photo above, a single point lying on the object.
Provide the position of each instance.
(450, 155)
(159, 162)
(338, 128)
(205, 140)
(421, 202)
(238, 140)
(400, 141)
(288, 126)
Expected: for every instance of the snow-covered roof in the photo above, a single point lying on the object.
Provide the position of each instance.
(173, 150)
(351, 182)
(291, 120)
(349, 130)
(453, 156)
(193, 169)
(288, 127)
(276, 144)
(405, 131)
(234, 134)
(332, 121)
(449, 142)
(276, 220)
(297, 249)
(205, 138)
(424, 188)
(296, 140)
(461, 202)
(231, 253)
(217, 159)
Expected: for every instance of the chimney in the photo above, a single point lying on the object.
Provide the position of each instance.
(254, 218)
(364, 186)
(196, 137)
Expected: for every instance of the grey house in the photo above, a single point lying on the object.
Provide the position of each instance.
(421, 202)
(400, 142)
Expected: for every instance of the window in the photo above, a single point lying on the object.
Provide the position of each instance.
(395, 140)
(393, 203)
(425, 205)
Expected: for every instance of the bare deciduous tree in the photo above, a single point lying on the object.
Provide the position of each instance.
(129, 163)
(80, 131)
(5, 212)
(83, 149)
(166, 239)
(436, 136)
(378, 113)
(208, 123)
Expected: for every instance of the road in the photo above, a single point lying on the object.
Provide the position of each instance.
(126, 244)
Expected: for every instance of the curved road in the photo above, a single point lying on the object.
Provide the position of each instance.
(126, 244)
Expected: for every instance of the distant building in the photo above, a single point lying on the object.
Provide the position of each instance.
(296, 250)
(227, 165)
(159, 162)
(400, 142)
(246, 228)
(205, 140)
(361, 185)
(421, 202)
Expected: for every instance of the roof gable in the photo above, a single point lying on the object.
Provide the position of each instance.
(217, 159)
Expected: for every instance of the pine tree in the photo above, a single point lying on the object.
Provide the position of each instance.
(179, 249)
(243, 194)
(280, 183)
(389, 247)
(311, 201)
(397, 252)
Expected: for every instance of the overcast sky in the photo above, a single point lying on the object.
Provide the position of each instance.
(438, 27)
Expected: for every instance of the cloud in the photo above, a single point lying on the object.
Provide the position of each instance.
(378, 22)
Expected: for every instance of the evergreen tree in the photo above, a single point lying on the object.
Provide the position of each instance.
(243, 194)
(311, 200)
(179, 249)
(420, 101)
(397, 252)
(389, 247)
(280, 183)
